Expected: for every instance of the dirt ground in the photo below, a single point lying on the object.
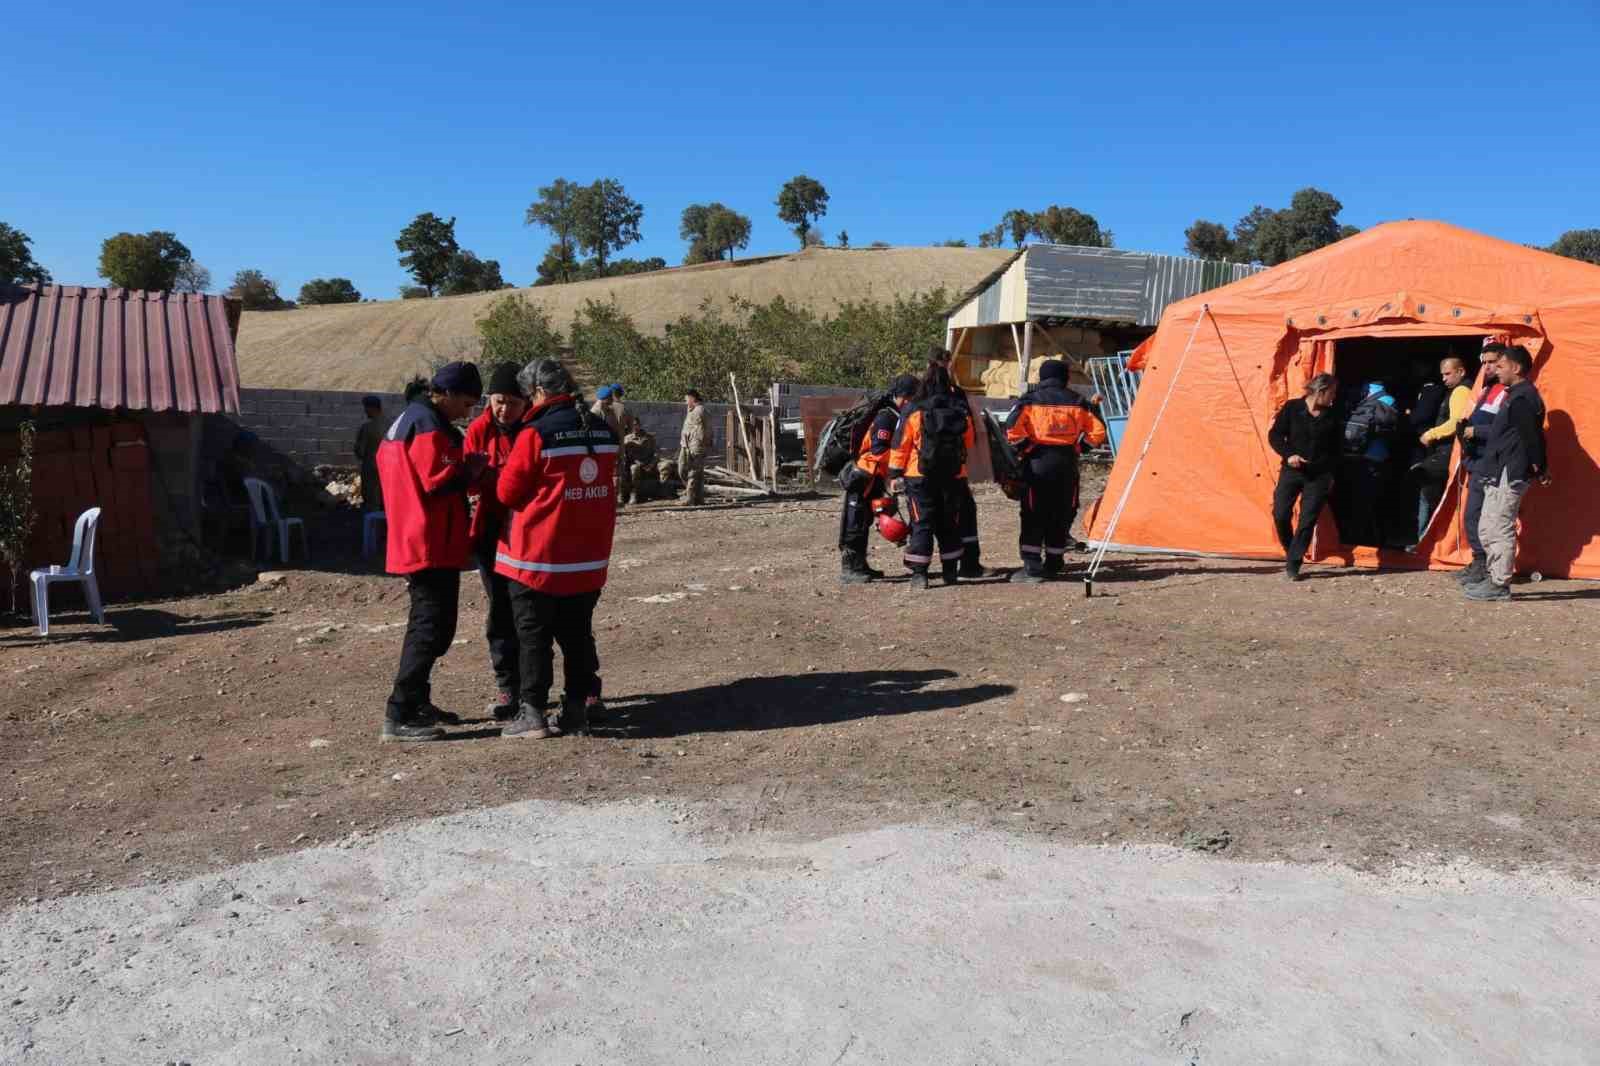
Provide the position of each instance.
(1368, 719)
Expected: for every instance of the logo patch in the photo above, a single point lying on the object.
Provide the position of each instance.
(588, 470)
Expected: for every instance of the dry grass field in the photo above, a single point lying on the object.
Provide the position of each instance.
(379, 345)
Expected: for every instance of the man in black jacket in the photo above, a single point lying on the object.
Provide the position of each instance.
(1514, 459)
(1307, 435)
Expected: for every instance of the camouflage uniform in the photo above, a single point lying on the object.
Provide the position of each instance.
(692, 448)
(639, 459)
(615, 415)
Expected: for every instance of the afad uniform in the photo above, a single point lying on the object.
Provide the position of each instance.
(855, 522)
(934, 498)
(1048, 427)
(556, 548)
(425, 497)
(485, 436)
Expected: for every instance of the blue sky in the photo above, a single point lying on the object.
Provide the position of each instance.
(299, 138)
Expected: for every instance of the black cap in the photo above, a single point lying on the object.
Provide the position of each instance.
(1052, 370)
(904, 385)
(460, 378)
(504, 381)
(370, 400)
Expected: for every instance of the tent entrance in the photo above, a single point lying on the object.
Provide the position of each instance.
(1378, 503)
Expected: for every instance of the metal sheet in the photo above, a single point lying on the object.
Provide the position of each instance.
(64, 345)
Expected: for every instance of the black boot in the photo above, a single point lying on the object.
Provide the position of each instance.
(529, 724)
(853, 568)
(1027, 577)
(503, 707)
(918, 580)
(572, 718)
(952, 573)
(408, 728)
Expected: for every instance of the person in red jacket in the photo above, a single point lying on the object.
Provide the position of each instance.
(556, 548)
(425, 478)
(492, 434)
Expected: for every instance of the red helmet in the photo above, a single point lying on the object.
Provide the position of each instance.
(893, 529)
(884, 505)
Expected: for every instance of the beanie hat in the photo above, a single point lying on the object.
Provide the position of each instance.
(603, 392)
(504, 381)
(904, 385)
(370, 401)
(461, 378)
(1052, 370)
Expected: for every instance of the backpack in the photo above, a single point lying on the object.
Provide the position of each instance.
(943, 451)
(840, 440)
(1372, 420)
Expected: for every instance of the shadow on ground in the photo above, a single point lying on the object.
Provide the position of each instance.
(790, 701)
(130, 623)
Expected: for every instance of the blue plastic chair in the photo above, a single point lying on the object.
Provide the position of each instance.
(79, 568)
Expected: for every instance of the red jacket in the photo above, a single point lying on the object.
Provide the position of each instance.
(424, 492)
(486, 436)
(557, 485)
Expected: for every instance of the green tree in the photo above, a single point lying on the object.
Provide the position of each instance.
(558, 266)
(953, 242)
(428, 245)
(17, 265)
(414, 292)
(1579, 244)
(192, 277)
(607, 220)
(468, 273)
(618, 268)
(1016, 222)
(1272, 237)
(1210, 240)
(329, 291)
(17, 513)
(692, 226)
(256, 292)
(514, 330)
(801, 202)
(556, 211)
(727, 231)
(844, 239)
(1068, 225)
(150, 261)
(992, 238)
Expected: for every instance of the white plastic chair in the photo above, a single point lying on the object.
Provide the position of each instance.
(80, 569)
(265, 517)
(370, 522)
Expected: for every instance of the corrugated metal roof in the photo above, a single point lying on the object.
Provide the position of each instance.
(66, 345)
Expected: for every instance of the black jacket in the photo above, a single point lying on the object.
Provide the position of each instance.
(1316, 440)
(1516, 440)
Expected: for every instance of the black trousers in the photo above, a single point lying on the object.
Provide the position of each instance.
(1049, 504)
(967, 523)
(430, 629)
(1312, 492)
(500, 629)
(855, 520)
(935, 516)
(544, 621)
(1472, 513)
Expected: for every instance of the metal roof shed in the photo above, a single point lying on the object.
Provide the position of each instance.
(1077, 301)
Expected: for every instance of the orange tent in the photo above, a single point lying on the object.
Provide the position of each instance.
(1207, 478)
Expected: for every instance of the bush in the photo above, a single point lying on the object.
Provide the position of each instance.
(516, 331)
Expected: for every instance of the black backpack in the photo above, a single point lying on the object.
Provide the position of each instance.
(943, 451)
(840, 440)
(1372, 420)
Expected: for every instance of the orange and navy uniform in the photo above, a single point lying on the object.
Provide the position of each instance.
(1054, 417)
(873, 458)
(1049, 426)
(934, 505)
(905, 452)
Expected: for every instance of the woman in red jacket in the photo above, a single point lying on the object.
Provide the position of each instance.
(556, 548)
(492, 434)
(425, 479)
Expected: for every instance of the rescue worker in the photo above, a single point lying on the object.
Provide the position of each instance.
(1049, 426)
(368, 437)
(693, 444)
(639, 454)
(556, 548)
(425, 481)
(968, 506)
(866, 480)
(492, 434)
(927, 460)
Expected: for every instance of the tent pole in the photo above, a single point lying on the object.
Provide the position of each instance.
(1127, 488)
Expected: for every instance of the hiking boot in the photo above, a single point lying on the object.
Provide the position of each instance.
(1027, 577)
(1291, 570)
(952, 574)
(408, 730)
(529, 724)
(1476, 571)
(977, 570)
(918, 580)
(850, 573)
(572, 718)
(594, 711)
(1488, 590)
(503, 707)
(435, 716)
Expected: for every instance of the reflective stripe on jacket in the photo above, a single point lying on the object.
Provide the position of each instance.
(905, 454)
(557, 485)
(1055, 417)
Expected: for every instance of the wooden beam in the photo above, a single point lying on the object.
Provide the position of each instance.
(744, 434)
(1077, 360)
(1027, 357)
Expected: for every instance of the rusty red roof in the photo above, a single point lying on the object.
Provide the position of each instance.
(67, 345)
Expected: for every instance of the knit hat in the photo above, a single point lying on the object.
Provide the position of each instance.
(460, 378)
(904, 385)
(1052, 370)
(504, 381)
(603, 392)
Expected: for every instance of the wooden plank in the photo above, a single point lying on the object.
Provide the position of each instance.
(744, 433)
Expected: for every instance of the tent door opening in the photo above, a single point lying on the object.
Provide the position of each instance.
(1385, 496)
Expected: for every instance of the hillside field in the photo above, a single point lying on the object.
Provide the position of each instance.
(379, 345)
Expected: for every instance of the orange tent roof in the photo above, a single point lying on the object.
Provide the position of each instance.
(1239, 352)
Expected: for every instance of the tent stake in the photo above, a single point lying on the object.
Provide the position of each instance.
(1127, 488)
